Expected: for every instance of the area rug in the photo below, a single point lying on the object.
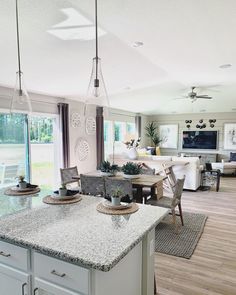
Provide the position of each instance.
(183, 243)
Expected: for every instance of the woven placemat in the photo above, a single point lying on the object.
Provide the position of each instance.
(52, 201)
(103, 209)
(11, 192)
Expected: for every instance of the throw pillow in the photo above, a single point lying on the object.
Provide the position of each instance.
(232, 157)
(158, 151)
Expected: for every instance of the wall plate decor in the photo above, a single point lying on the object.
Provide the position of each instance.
(169, 135)
(75, 120)
(82, 149)
(230, 136)
(90, 125)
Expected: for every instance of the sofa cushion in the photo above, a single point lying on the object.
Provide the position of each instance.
(232, 157)
(162, 158)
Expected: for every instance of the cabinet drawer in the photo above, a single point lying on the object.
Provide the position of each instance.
(62, 273)
(13, 255)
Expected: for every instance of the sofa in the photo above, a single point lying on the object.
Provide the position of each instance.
(225, 167)
(191, 170)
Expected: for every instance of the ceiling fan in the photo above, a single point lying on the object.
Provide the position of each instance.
(193, 96)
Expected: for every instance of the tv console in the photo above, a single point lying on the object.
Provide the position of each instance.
(204, 157)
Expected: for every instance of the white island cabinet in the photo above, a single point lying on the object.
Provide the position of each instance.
(74, 250)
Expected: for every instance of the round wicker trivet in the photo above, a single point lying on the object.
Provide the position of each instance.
(53, 201)
(102, 209)
(11, 192)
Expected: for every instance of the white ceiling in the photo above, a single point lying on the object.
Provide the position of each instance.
(185, 42)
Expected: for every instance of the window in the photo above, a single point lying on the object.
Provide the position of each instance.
(108, 139)
(115, 134)
(130, 129)
(119, 131)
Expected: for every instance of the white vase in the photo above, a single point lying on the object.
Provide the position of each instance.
(133, 154)
(22, 184)
(62, 192)
(115, 201)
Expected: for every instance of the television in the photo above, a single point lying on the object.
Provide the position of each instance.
(200, 140)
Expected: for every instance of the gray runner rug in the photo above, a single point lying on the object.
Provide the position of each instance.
(183, 243)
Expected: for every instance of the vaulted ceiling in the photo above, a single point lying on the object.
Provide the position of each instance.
(184, 44)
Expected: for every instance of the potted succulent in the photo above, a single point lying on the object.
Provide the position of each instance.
(108, 169)
(62, 190)
(131, 170)
(116, 197)
(21, 182)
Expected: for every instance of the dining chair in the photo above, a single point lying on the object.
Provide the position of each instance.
(67, 175)
(9, 174)
(172, 203)
(170, 181)
(146, 192)
(124, 185)
(92, 185)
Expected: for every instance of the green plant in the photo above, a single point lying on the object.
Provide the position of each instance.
(63, 186)
(151, 132)
(21, 178)
(107, 167)
(117, 192)
(131, 168)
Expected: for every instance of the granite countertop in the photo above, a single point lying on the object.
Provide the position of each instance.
(75, 233)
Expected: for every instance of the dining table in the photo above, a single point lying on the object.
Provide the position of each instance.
(153, 182)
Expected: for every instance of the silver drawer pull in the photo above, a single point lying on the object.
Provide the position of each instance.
(4, 254)
(61, 275)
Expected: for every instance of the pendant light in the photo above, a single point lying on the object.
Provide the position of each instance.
(96, 93)
(20, 100)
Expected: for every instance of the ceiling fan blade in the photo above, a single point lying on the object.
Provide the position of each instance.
(204, 97)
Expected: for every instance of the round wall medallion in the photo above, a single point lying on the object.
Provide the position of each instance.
(75, 120)
(90, 125)
(82, 149)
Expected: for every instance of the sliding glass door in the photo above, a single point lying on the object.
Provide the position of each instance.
(29, 147)
(44, 151)
(14, 159)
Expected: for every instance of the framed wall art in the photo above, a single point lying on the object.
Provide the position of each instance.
(230, 136)
(169, 135)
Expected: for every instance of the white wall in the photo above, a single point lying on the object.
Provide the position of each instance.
(221, 118)
(90, 163)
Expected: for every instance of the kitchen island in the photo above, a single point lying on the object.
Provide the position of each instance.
(75, 250)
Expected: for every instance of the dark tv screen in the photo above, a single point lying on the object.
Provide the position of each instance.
(200, 140)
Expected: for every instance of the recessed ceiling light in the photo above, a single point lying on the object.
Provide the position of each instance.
(174, 112)
(225, 66)
(202, 111)
(233, 109)
(137, 44)
(127, 88)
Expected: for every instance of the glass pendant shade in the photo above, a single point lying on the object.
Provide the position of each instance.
(20, 100)
(96, 93)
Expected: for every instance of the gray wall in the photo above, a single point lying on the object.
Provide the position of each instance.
(180, 120)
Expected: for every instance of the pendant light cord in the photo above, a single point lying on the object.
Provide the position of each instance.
(18, 47)
(96, 36)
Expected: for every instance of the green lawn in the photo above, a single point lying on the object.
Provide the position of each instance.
(43, 174)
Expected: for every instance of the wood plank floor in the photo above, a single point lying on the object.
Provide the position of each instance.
(212, 268)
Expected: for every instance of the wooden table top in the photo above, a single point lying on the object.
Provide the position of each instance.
(143, 180)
